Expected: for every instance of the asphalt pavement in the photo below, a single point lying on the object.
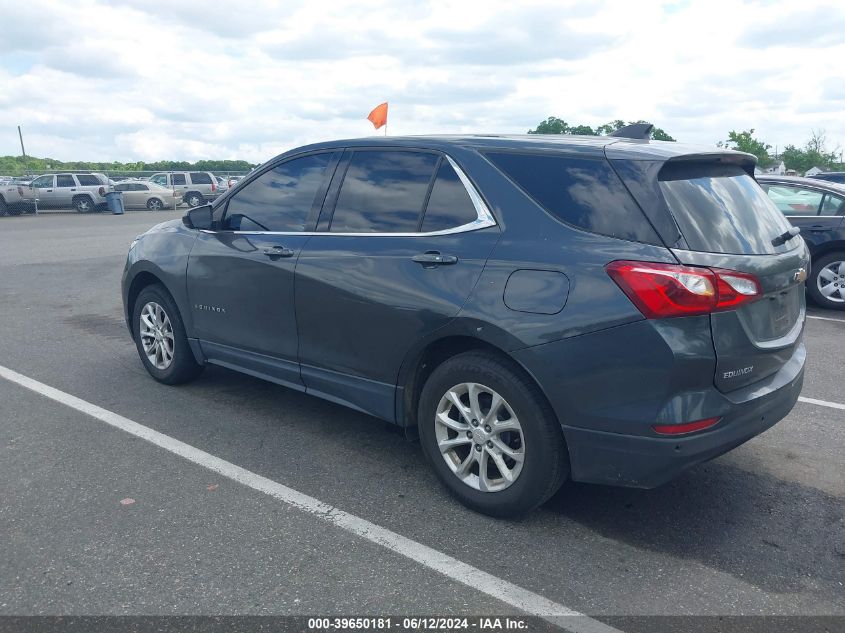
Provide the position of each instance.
(94, 520)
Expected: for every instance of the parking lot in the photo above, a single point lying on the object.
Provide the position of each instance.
(98, 520)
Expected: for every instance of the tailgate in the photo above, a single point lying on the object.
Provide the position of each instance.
(755, 340)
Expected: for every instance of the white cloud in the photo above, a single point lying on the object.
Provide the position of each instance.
(153, 79)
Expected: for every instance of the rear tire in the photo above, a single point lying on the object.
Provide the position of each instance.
(83, 204)
(193, 199)
(826, 284)
(539, 441)
(162, 342)
(154, 204)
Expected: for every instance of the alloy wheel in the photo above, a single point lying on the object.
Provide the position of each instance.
(479, 437)
(157, 336)
(831, 282)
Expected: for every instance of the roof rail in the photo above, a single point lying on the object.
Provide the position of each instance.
(634, 130)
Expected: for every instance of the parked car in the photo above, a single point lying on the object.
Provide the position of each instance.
(832, 176)
(13, 199)
(233, 180)
(196, 187)
(138, 194)
(539, 308)
(817, 207)
(84, 192)
(222, 185)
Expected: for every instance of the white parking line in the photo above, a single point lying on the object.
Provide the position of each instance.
(509, 593)
(810, 316)
(822, 403)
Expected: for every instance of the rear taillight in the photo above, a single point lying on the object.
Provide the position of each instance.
(20, 191)
(213, 187)
(661, 291)
(687, 427)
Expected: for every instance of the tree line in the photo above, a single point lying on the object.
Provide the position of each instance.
(18, 166)
(813, 153)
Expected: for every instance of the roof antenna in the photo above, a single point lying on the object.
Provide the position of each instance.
(634, 130)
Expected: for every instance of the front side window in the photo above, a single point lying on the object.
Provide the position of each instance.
(833, 205)
(43, 182)
(159, 179)
(383, 192)
(449, 204)
(791, 200)
(280, 199)
(65, 181)
(178, 179)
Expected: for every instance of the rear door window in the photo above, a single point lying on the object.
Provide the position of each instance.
(65, 181)
(383, 192)
(178, 179)
(583, 192)
(721, 209)
(449, 204)
(792, 200)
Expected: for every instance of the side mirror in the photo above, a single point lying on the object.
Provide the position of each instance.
(200, 218)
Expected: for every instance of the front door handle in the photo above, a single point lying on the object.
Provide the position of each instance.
(279, 251)
(430, 259)
(818, 228)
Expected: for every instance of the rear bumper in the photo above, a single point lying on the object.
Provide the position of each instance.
(646, 462)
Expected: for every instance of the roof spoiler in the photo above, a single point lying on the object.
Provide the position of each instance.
(634, 130)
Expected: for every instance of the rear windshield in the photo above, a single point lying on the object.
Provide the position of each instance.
(721, 209)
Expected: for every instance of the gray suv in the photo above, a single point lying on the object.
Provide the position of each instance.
(83, 192)
(196, 187)
(602, 309)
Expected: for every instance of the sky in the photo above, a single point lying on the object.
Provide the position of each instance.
(188, 80)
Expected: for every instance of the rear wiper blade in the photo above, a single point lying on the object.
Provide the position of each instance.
(783, 238)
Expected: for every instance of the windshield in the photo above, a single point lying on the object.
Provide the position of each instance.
(721, 209)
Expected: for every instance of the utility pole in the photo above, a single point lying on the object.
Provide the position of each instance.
(23, 151)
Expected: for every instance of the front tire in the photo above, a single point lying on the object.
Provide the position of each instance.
(490, 435)
(161, 339)
(826, 284)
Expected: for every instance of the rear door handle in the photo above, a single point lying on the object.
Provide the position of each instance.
(818, 228)
(430, 259)
(279, 251)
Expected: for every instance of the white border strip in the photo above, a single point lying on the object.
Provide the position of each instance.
(822, 403)
(513, 595)
(810, 316)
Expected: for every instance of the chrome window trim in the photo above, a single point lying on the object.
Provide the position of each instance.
(813, 216)
(483, 220)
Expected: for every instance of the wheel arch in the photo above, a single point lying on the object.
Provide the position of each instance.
(421, 363)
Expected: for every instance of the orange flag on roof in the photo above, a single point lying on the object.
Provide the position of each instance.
(378, 117)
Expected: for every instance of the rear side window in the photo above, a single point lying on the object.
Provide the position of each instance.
(65, 181)
(383, 192)
(583, 192)
(87, 180)
(449, 204)
(279, 199)
(199, 178)
(178, 179)
(721, 209)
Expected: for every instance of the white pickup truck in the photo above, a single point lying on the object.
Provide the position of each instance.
(14, 198)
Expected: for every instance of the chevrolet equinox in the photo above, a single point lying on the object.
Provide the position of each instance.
(602, 309)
